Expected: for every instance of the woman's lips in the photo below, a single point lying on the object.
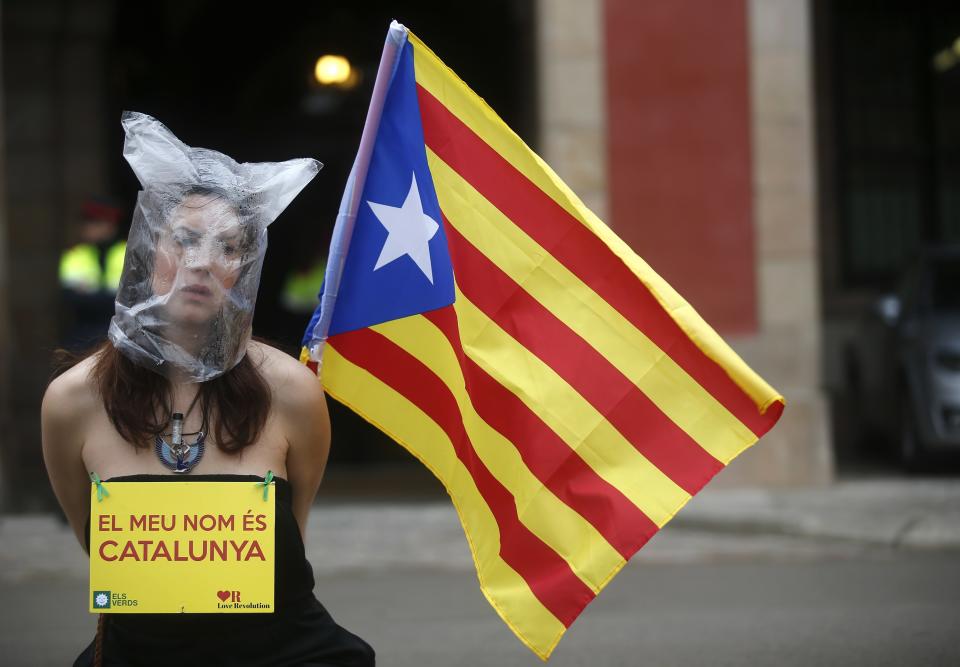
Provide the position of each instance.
(197, 291)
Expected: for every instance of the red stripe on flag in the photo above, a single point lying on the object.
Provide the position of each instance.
(547, 456)
(627, 408)
(548, 575)
(581, 251)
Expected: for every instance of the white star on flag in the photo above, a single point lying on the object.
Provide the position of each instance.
(409, 231)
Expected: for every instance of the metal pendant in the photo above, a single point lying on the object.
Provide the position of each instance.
(181, 458)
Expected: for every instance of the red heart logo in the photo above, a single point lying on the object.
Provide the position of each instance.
(223, 595)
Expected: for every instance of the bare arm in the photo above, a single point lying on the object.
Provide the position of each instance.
(62, 425)
(307, 428)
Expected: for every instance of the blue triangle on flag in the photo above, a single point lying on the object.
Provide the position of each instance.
(398, 263)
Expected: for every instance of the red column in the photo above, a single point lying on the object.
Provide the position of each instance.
(679, 148)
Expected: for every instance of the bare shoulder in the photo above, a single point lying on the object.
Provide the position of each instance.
(291, 382)
(73, 394)
(69, 405)
(300, 404)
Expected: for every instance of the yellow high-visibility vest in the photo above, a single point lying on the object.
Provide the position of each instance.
(300, 290)
(111, 276)
(80, 268)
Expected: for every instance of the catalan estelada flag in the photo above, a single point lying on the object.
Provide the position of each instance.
(570, 401)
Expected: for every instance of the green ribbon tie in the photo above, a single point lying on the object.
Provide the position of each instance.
(267, 481)
(101, 489)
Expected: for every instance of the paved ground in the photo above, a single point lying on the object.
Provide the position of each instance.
(858, 573)
(876, 608)
(913, 513)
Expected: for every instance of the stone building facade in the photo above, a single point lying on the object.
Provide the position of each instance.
(674, 121)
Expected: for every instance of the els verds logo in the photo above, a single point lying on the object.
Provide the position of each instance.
(111, 600)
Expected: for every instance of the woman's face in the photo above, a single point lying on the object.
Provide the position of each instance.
(198, 259)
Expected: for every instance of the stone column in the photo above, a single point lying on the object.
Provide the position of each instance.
(4, 291)
(787, 348)
(54, 148)
(572, 110)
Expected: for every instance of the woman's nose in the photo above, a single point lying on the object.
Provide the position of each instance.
(198, 257)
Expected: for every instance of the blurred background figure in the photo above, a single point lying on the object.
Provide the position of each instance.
(301, 287)
(89, 274)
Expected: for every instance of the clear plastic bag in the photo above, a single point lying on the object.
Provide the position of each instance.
(185, 303)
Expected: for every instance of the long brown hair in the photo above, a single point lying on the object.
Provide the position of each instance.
(138, 402)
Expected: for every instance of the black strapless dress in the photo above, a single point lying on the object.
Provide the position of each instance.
(299, 632)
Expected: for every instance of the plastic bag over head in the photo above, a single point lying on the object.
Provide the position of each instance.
(199, 234)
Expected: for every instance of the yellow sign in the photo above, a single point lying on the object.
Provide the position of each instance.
(182, 547)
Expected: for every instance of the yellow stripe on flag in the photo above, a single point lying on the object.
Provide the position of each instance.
(568, 414)
(666, 384)
(408, 425)
(561, 528)
(441, 82)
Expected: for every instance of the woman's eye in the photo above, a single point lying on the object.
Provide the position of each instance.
(185, 240)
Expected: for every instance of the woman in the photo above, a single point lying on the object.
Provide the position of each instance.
(180, 361)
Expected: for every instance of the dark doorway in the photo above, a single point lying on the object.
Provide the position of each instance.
(242, 82)
(888, 90)
(235, 78)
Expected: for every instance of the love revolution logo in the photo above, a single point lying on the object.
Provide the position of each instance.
(231, 600)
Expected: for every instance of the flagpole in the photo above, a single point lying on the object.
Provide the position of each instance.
(350, 203)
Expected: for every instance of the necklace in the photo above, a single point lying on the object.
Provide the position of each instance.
(178, 455)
